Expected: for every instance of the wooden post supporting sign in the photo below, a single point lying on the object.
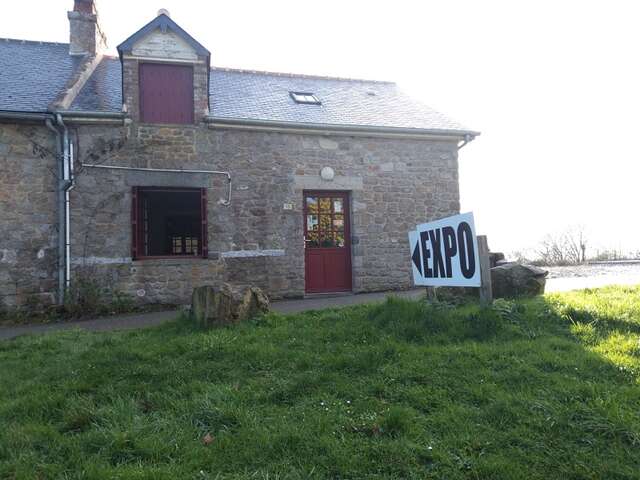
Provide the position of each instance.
(432, 296)
(486, 292)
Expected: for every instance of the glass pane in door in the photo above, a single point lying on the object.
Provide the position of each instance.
(312, 204)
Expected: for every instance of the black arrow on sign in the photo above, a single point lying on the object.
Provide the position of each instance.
(416, 257)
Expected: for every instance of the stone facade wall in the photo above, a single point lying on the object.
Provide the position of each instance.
(393, 183)
(28, 218)
(131, 92)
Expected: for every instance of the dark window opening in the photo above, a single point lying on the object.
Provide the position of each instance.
(169, 222)
(166, 93)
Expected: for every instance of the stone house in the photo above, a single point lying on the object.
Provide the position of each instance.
(153, 172)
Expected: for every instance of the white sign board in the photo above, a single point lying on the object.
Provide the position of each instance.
(444, 253)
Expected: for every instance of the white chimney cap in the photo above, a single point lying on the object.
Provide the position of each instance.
(164, 11)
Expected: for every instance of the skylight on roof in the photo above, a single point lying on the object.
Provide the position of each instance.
(305, 98)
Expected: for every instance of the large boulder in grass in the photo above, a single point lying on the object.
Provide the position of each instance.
(514, 279)
(226, 304)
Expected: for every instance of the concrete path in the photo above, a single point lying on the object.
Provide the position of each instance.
(143, 320)
(327, 301)
(105, 324)
(128, 322)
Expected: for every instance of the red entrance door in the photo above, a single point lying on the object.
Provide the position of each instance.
(327, 253)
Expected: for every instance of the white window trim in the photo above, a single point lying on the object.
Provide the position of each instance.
(305, 98)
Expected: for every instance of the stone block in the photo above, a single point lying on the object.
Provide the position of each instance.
(227, 304)
(513, 279)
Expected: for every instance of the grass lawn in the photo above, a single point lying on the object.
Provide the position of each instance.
(533, 389)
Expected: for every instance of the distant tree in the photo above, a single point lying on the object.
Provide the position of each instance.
(575, 244)
(613, 254)
(565, 248)
(520, 256)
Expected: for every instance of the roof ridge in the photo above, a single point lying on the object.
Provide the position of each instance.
(299, 75)
(22, 40)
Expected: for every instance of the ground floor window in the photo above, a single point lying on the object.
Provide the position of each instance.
(169, 222)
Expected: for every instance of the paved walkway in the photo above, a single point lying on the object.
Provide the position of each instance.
(129, 322)
(327, 301)
(105, 324)
(143, 320)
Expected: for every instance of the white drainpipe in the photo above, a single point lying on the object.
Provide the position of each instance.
(226, 202)
(71, 184)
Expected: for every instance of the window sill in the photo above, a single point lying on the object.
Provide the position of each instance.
(168, 125)
(170, 260)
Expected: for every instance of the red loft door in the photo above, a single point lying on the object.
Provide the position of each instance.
(327, 243)
(166, 93)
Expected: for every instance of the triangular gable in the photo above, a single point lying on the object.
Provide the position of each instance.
(164, 24)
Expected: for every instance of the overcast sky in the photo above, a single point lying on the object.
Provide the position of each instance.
(552, 85)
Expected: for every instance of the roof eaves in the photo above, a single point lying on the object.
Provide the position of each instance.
(345, 128)
(24, 116)
(93, 118)
(90, 114)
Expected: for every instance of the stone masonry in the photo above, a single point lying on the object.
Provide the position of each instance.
(393, 183)
(28, 218)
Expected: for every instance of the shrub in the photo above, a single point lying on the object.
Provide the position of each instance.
(508, 310)
(122, 302)
(88, 296)
(83, 297)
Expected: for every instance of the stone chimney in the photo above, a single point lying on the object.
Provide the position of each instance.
(85, 35)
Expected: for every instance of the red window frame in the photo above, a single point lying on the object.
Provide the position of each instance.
(137, 224)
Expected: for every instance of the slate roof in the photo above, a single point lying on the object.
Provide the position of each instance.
(32, 73)
(265, 96)
(103, 90)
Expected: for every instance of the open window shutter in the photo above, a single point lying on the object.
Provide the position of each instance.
(134, 223)
(205, 233)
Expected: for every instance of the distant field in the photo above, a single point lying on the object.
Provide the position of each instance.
(592, 276)
(534, 389)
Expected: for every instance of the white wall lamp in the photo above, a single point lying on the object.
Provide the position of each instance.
(327, 174)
